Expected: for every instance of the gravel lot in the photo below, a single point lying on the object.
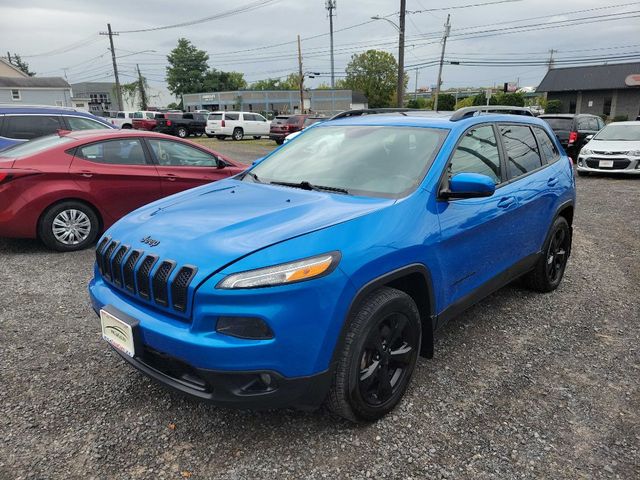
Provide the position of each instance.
(522, 385)
(245, 151)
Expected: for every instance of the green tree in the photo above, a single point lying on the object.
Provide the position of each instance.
(420, 103)
(17, 62)
(511, 99)
(553, 106)
(174, 106)
(187, 68)
(465, 102)
(291, 82)
(446, 102)
(132, 92)
(374, 73)
(219, 81)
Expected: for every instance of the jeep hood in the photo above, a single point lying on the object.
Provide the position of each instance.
(215, 225)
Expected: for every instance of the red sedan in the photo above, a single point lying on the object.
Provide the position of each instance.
(67, 188)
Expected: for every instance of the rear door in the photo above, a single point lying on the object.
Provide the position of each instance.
(262, 125)
(117, 174)
(562, 127)
(182, 166)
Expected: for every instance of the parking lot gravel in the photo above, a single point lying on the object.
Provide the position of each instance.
(522, 385)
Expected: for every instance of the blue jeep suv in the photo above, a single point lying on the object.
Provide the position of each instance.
(23, 123)
(323, 271)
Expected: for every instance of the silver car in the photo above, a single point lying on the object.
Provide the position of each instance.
(614, 149)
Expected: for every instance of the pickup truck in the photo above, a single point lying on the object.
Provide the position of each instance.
(145, 120)
(181, 124)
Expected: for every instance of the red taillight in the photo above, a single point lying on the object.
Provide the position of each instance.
(4, 176)
(573, 136)
(168, 123)
(222, 124)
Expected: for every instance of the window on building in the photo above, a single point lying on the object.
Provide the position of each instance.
(522, 149)
(572, 106)
(606, 108)
(15, 94)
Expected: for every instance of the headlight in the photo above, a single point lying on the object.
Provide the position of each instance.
(634, 153)
(586, 151)
(298, 271)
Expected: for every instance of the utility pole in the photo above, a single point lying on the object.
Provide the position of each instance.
(115, 65)
(551, 52)
(301, 76)
(143, 93)
(415, 97)
(331, 6)
(400, 93)
(447, 29)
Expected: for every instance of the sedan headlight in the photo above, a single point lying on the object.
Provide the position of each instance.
(285, 273)
(634, 153)
(586, 151)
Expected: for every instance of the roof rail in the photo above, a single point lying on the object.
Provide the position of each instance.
(504, 109)
(22, 105)
(369, 111)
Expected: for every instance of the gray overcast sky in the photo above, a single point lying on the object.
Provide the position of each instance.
(36, 27)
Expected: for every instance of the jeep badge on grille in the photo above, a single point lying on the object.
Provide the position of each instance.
(150, 241)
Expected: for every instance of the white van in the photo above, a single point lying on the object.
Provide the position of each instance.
(236, 125)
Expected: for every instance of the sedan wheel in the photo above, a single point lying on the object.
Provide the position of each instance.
(68, 226)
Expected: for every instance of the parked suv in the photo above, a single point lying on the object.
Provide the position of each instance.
(280, 130)
(321, 273)
(573, 129)
(19, 124)
(236, 125)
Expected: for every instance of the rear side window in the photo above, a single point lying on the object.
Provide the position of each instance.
(294, 120)
(26, 127)
(547, 147)
(169, 153)
(478, 152)
(522, 149)
(114, 152)
(559, 123)
(137, 115)
(232, 116)
(215, 116)
(79, 123)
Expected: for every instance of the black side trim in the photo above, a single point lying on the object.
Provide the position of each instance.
(486, 289)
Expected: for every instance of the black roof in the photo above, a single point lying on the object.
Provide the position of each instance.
(34, 82)
(594, 77)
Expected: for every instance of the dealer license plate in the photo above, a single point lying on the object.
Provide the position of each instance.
(117, 332)
(605, 163)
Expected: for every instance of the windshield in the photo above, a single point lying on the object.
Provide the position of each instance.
(377, 161)
(626, 133)
(34, 146)
(559, 123)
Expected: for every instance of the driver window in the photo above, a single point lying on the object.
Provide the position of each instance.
(174, 154)
(478, 152)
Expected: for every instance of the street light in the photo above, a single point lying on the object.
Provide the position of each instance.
(400, 30)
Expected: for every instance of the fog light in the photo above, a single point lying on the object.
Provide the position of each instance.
(265, 378)
(252, 328)
(580, 163)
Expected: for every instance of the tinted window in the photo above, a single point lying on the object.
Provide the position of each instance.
(249, 117)
(259, 118)
(169, 153)
(593, 124)
(114, 152)
(215, 116)
(522, 150)
(296, 119)
(30, 126)
(478, 152)
(559, 123)
(547, 147)
(34, 146)
(583, 123)
(79, 123)
(232, 116)
(120, 115)
(137, 115)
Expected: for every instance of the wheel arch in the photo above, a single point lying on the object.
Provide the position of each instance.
(70, 199)
(414, 280)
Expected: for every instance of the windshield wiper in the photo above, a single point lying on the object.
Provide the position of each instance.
(252, 175)
(309, 186)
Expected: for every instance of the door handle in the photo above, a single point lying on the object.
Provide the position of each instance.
(552, 182)
(86, 173)
(506, 202)
(171, 177)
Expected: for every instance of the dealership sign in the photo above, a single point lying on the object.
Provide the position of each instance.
(633, 80)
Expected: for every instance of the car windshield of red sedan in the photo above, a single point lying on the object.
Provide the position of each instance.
(360, 160)
(34, 146)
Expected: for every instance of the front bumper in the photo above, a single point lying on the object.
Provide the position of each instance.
(620, 164)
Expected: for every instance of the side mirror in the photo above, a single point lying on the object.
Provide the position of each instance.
(220, 163)
(469, 185)
(588, 137)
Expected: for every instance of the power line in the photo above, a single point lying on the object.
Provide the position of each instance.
(425, 10)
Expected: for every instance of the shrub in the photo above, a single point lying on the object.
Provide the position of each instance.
(553, 106)
(446, 102)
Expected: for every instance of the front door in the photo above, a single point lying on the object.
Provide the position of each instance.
(182, 166)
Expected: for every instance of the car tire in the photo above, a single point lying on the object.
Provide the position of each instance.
(279, 142)
(220, 137)
(257, 137)
(209, 135)
(384, 333)
(77, 218)
(550, 267)
(197, 134)
(182, 132)
(238, 134)
(126, 126)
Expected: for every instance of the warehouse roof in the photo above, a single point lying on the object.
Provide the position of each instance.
(594, 77)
